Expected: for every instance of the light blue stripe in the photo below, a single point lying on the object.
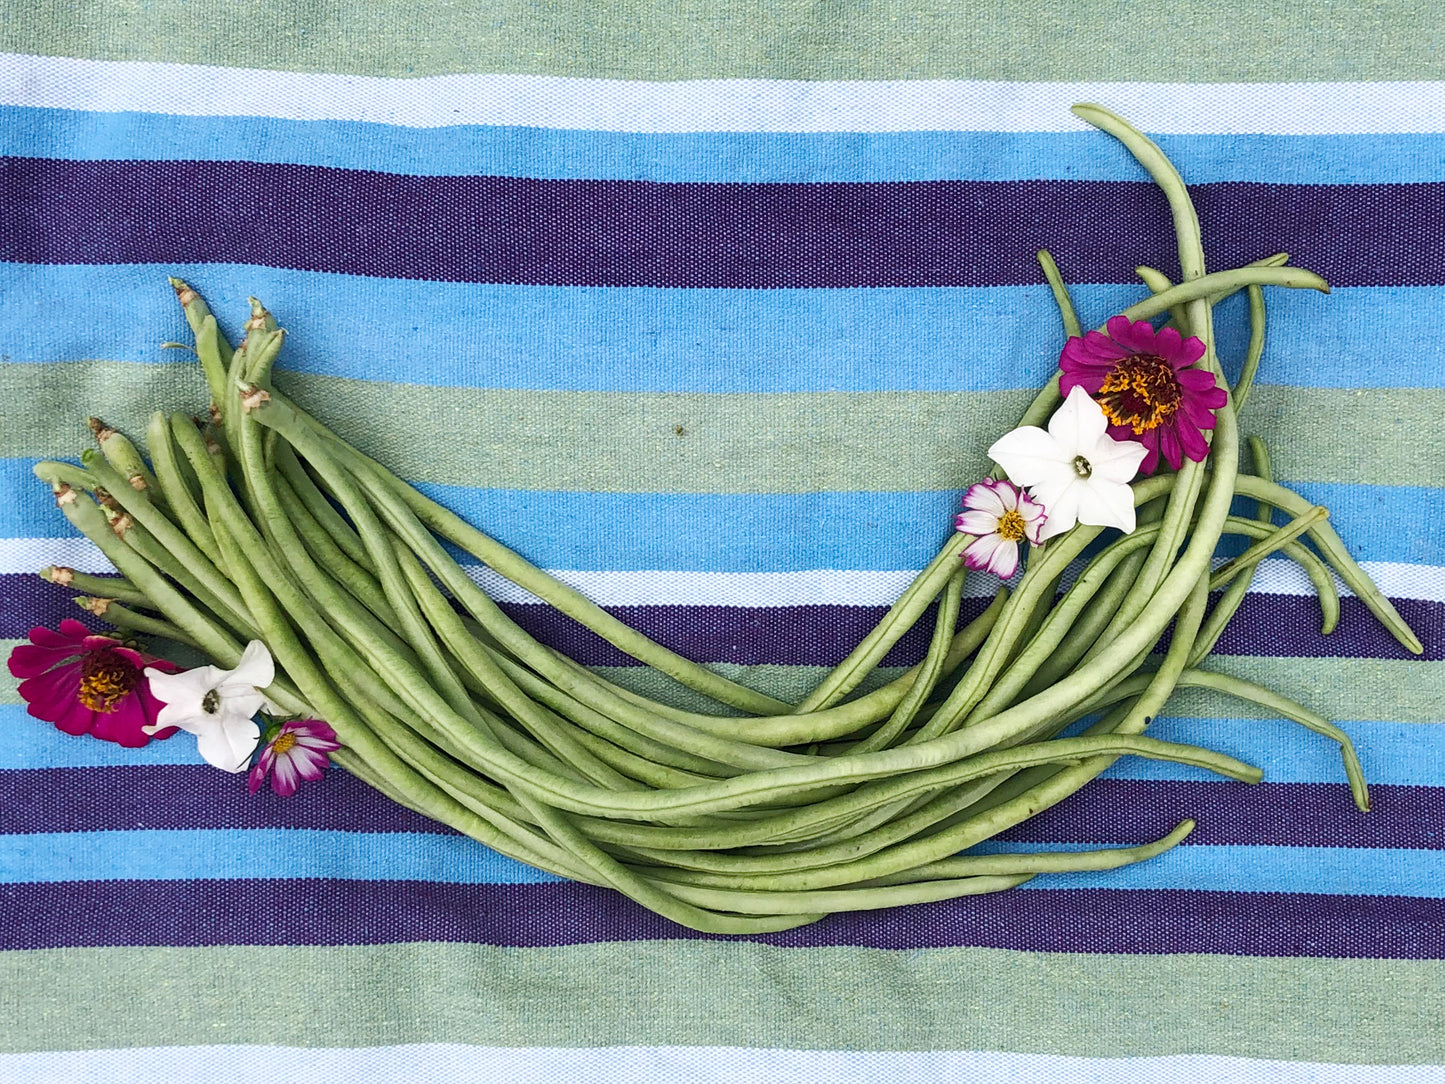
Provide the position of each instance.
(262, 853)
(480, 150)
(644, 339)
(27, 742)
(1346, 871)
(762, 532)
(178, 854)
(1405, 754)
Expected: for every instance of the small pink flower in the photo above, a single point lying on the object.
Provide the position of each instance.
(296, 752)
(1002, 516)
(1149, 391)
(85, 683)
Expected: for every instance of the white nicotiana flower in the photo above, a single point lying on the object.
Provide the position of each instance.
(1076, 470)
(217, 706)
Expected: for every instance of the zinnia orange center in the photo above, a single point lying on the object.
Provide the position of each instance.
(1010, 526)
(1142, 392)
(105, 680)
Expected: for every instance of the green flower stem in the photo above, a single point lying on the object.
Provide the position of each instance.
(929, 671)
(1274, 541)
(1283, 707)
(901, 616)
(845, 856)
(1334, 552)
(526, 575)
(1242, 387)
(87, 518)
(123, 617)
(931, 848)
(1070, 318)
(343, 535)
(111, 587)
(126, 461)
(853, 899)
(1233, 596)
(173, 484)
(167, 547)
(1003, 865)
(446, 785)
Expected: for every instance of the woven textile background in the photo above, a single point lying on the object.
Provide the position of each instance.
(712, 309)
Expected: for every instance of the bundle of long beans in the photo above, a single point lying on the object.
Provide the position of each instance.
(762, 815)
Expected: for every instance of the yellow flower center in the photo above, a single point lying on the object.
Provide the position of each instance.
(105, 680)
(1010, 526)
(1142, 392)
(283, 743)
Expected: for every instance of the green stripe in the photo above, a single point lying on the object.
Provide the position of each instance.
(754, 995)
(1405, 691)
(1226, 41)
(729, 443)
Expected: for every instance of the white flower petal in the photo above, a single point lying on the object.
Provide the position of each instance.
(1062, 503)
(187, 687)
(980, 552)
(976, 522)
(1027, 454)
(255, 669)
(991, 497)
(229, 742)
(1005, 560)
(1116, 461)
(1078, 424)
(1107, 504)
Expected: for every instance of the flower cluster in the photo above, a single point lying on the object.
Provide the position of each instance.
(1130, 397)
(86, 683)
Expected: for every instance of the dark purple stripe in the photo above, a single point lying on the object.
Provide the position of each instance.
(1279, 625)
(265, 912)
(1108, 812)
(642, 233)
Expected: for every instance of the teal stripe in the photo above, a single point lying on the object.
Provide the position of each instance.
(1408, 754)
(758, 532)
(634, 339)
(758, 157)
(405, 856)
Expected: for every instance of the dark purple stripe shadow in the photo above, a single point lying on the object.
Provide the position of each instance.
(265, 912)
(744, 236)
(1107, 812)
(1278, 625)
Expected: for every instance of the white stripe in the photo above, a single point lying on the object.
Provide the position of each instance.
(462, 1064)
(813, 587)
(722, 105)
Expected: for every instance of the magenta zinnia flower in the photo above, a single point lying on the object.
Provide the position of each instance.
(85, 683)
(296, 752)
(1002, 516)
(1144, 381)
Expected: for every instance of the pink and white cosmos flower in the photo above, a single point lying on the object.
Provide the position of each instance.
(1001, 516)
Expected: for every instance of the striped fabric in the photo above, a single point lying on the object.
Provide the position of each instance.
(713, 311)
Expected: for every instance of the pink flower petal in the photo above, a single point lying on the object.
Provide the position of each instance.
(73, 718)
(123, 725)
(32, 660)
(1150, 439)
(1136, 338)
(1169, 446)
(1192, 440)
(1005, 560)
(284, 779)
(49, 695)
(980, 551)
(1168, 344)
(1190, 351)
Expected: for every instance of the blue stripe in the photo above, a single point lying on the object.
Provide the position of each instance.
(180, 854)
(747, 532)
(481, 150)
(1405, 754)
(402, 856)
(634, 339)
